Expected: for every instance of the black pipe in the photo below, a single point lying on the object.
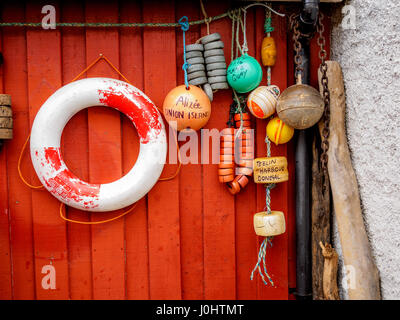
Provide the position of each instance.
(308, 20)
(309, 16)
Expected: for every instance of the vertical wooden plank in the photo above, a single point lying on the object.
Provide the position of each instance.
(277, 256)
(315, 63)
(5, 253)
(49, 231)
(75, 145)
(163, 200)
(246, 239)
(108, 261)
(190, 179)
(218, 203)
(137, 260)
(14, 53)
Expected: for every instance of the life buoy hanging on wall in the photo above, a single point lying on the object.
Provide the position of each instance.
(46, 137)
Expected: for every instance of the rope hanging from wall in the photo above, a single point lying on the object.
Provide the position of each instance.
(206, 20)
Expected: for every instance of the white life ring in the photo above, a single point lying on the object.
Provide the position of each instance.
(46, 137)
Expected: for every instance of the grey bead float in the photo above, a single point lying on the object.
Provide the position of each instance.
(194, 47)
(214, 45)
(207, 56)
(196, 60)
(215, 61)
(218, 72)
(213, 52)
(216, 66)
(196, 70)
(196, 67)
(217, 79)
(211, 38)
(198, 81)
(196, 74)
(194, 54)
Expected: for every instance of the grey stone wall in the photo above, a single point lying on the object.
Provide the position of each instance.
(370, 58)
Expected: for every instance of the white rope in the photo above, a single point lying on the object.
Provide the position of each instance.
(244, 47)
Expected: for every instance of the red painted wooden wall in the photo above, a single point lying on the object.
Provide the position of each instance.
(188, 238)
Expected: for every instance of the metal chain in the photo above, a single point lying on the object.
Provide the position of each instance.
(294, 26)
(321, 41)
(325, 94)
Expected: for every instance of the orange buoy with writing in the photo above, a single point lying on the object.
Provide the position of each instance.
(187, 108)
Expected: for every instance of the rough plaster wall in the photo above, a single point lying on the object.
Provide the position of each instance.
(370, 58)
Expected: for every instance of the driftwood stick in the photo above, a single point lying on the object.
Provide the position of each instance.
(357, 255)
(331, 259)
(320, 218)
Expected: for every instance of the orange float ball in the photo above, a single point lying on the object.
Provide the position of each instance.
(189, 108)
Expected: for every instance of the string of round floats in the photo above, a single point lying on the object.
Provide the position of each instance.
(238, 23)
(268, 187)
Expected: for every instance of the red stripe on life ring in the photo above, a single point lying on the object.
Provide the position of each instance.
(65, 184)
(140, 110)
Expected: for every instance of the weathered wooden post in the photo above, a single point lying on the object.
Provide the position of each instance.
(346, 199)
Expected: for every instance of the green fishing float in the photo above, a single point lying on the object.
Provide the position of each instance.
(244, 74)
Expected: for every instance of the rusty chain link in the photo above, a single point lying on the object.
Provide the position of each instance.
(294, 26)
(325, 94)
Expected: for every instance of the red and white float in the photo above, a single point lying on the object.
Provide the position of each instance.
(46, 137)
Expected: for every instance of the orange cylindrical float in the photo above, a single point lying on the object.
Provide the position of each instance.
(226, 163)
(246, 120)
(246, 145)
(268, 52)
(245, 153)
